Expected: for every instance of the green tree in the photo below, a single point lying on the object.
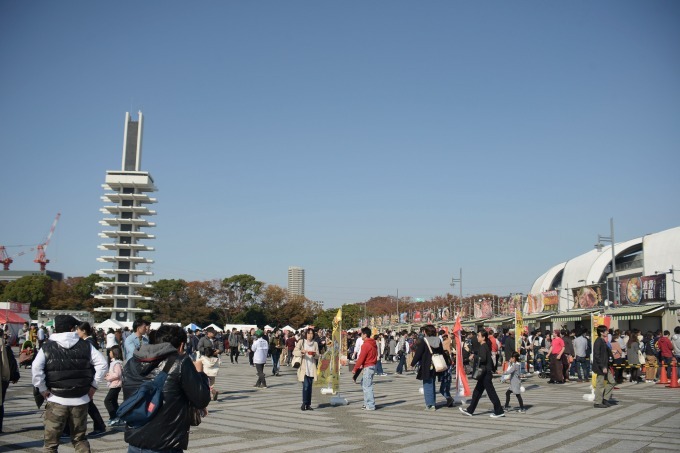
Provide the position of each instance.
(33, 289)
(351, 314)
(235, 294)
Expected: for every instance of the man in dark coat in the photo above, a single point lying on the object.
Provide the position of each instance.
(185, 385)
(605, 381)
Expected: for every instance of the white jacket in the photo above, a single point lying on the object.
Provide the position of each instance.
(260, 348)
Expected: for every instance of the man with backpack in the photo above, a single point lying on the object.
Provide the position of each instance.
(185, 385)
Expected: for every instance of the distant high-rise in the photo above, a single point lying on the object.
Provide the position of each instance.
(296, 281)
(125, 213)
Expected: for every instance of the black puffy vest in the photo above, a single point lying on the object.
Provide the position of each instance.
(68, 372)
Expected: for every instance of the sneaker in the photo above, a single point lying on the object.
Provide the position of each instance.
(502, 414)
(96, 433)
(600, 406)
(507, 408)
(368, 408)
(464, 411)
(119, 422)
(521, 411)
(430, 408)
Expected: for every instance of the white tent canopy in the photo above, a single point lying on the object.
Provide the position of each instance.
(288, 328)
(192, 326)
(215, 327)
(109, 324)
(240, 327)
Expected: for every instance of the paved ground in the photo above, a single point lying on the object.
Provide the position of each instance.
(245, 419)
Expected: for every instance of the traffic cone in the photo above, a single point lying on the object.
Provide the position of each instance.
(674, 376)
(664, 374)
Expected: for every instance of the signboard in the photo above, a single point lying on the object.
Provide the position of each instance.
(551, 300)
(588, 296)
(638, 290)
(534, 303)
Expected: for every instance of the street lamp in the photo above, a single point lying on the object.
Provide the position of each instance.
(458, 280)
(599, 246)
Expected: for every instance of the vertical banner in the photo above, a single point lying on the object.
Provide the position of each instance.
(519, 328)
(462, 386)
(328, 370)
(595, 322)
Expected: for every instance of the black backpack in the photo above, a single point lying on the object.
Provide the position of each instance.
(145, 403)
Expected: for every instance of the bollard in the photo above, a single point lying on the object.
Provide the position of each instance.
(674, 376)
(664, 374)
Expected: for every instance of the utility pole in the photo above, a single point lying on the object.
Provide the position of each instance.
(458, 280)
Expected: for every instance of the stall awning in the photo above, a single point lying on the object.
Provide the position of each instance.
(633, 312)
(499, 320)
(574, 315)
(472, 322)
(538, 316)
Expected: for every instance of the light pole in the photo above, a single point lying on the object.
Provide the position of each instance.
(458, 280)
(598, 246)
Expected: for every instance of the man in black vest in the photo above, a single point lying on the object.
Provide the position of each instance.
(66, 371)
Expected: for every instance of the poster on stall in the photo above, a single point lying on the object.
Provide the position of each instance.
(637, 290)
(519, 329)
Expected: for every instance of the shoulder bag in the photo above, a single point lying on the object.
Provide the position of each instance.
(438, 361)
(478, 371)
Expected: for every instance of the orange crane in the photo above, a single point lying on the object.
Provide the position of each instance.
(40, 257)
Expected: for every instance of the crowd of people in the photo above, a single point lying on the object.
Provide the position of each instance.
(73, 361)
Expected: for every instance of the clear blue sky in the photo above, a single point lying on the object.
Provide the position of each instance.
(379, 145)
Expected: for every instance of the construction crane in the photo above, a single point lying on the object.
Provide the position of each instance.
(40, 257)
(6, 260)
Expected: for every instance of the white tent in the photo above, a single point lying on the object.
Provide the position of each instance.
(268, 327)
(240, 327)
(215, 327)
(156, 325)
(288, 328)
(109, 324)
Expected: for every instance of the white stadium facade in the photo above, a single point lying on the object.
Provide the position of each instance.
(644, 296)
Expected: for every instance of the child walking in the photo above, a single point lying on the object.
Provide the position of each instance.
(211, 366)
(114, 381)
(512, 374)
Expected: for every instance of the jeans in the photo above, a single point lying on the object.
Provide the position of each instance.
(307, 390)
(429, 393)
(276, 354)
(379, 368)
(402, 363)
(445, 379)
(582, 363)
(289, 357)
(367, 386)
(133, 449)
(665, 369)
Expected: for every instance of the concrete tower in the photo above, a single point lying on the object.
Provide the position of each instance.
(296, 281)
(125, 213)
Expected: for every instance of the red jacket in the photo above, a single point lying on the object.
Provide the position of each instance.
(368, 355)
(665, 347)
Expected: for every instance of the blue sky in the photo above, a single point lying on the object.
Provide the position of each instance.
(379, 145)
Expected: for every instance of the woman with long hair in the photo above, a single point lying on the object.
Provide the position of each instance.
(485, 381)
(85, 333)
(308, 349)
(633, 348)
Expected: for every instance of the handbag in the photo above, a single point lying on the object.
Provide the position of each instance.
(297, 361)
(479, 370)
(438, 361)
(195, 415)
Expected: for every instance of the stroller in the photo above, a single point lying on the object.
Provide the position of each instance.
(27, 354)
